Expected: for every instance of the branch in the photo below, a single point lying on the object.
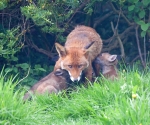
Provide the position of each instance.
(79, 8)
(119, 40)
(126, 31)
(138, 44)
(137, 57)
(116, 11)
(40, 50)
(102, 19)
(111, 46)
(123, 34)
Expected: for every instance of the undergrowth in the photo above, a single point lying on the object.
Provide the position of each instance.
(125, 101)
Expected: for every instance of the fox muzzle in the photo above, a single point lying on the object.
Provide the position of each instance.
(77, 79)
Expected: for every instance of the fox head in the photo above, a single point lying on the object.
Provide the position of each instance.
(63, 74)
(74, 60)
(106, 59)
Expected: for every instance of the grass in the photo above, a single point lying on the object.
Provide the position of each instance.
(125, 101)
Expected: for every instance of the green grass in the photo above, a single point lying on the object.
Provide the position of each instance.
(125, 101)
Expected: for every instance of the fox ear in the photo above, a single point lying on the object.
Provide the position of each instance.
(112, 58)
(58, 72)
(60, 49)
(88, 48)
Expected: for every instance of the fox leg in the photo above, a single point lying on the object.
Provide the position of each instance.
(96, 68)
(88, 75)
(49, 89)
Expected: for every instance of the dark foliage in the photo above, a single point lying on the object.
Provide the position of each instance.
(29, 29)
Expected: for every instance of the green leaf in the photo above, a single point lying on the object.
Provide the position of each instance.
(130, 8)
(41, 69)
(3, 5)
(145, 2)
(8, 70)
(14, 59)
(145, 27)
(15, 69)
(142, 14)
(141, 22)
(135, 1)
(37, 66)
(143, 33)
(23, 66)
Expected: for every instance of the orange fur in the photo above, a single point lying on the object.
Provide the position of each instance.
(82, 46)
(108, 63)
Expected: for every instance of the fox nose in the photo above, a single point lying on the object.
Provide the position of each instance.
(75, 79)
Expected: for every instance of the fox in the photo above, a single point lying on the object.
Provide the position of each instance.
(52, 83)
(82, 46)
(108, 64)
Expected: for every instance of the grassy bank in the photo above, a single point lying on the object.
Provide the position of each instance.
(125, 101)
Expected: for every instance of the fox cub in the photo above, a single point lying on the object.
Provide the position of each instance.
(53, 83)
(108, 65)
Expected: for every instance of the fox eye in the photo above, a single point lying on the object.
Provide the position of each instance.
(79, 66)
(70, 66)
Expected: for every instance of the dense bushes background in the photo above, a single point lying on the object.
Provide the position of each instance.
(29, 29)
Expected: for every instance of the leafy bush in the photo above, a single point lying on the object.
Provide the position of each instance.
(3, 4)
(29, 29)
(9, 44)
(138, 11)
(50, 16)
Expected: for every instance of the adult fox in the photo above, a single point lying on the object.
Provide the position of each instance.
(82, 46)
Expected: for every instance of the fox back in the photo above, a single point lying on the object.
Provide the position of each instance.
(53, 83)
(82, 46)
(108, 64)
